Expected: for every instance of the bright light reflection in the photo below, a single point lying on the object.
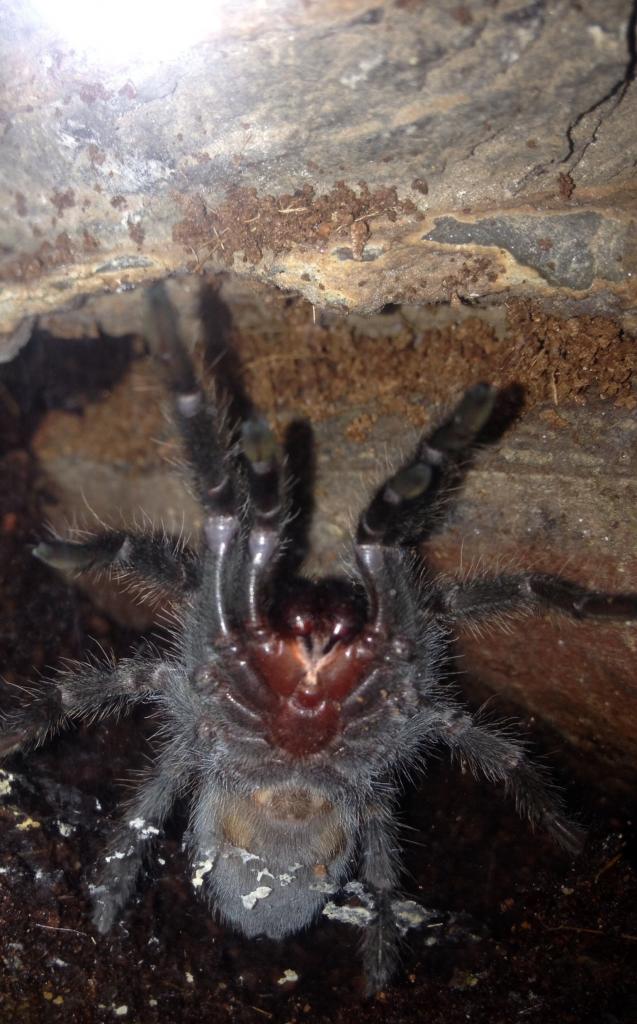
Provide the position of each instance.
(118, 31)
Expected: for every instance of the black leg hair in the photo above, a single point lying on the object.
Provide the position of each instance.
(379, 873)
(153, 558)
(216, 479)
(85, 691)
(300, 465)
(221, 488)
(264, 484)
(499, 758)
(529, 592)
(198, 424)
(390, 593)
(221, 360)
(407, 507)
(131, 842)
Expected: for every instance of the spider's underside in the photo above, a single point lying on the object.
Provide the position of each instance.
(292, 706)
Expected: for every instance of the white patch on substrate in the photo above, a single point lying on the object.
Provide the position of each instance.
(260, 893)
(262, 872)
(65, 829)
(410, 914)
(120, 1011)
(202, 867)
(6, 778)
(189, 978)
(359, 916)
(118, 855)
(288, 975)
(28, 823)
(145, 831)
(358, 889)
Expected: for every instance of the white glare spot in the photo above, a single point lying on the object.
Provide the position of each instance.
(120, 31)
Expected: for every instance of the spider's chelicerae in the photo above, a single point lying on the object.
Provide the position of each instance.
(292, 705)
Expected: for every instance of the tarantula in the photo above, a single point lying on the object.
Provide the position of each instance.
(292, 705)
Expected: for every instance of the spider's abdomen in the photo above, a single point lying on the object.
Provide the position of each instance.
(281, 852)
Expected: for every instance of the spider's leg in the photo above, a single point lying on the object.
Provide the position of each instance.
(153, 558)
(407, 506)
(300, 481)
(268, 511)
(529, 592)
(198, 423)
(86, 690)
(393, 600)
(379, 872)
(500, 758)
(140, 827)
(213, 462)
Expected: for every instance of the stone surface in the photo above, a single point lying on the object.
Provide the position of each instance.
(359, 154)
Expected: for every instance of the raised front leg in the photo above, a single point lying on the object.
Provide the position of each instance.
(406, 508)
(268, 513)
(243, 504)
(529, 592)
(79, 693)
(198, 421)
